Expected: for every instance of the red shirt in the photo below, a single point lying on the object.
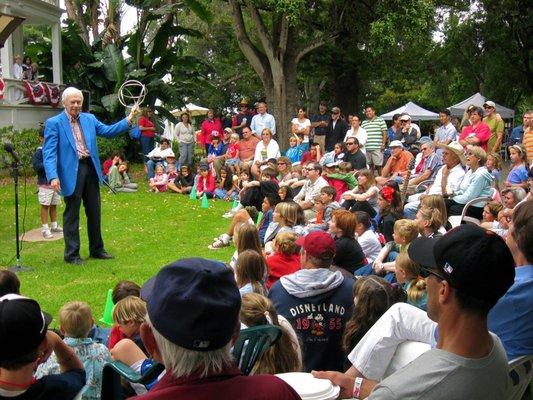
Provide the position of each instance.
(233, 149)
(247, 147)
(145, 122)
(307, 157)
(115, 336)
(207, 128)
(107, 165)
(340, 186)
(280, 265)
(482, 132)
(230, 383)
(206, 184)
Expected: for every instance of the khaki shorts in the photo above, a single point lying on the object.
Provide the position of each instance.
(321, 140)
(48, 197)
(374, 157)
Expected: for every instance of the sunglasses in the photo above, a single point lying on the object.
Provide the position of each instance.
(310, 169)
(350, 143)
(487, 107)
(425, 272)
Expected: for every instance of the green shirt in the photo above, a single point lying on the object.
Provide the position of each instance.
(496, 125)
(374, 129)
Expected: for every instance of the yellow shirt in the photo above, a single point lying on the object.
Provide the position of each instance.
(528, 144)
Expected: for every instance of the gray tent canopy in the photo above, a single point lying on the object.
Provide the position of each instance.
(478, 100)
(416, 113)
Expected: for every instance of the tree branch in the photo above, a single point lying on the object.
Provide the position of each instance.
(313, 46)
(252, 54)
(283, 35)
(264, 37)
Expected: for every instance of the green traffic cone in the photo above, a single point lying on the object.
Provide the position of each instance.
(235, 204)
(259, 217)
(205, 203)
(108, 310)
(192, 196)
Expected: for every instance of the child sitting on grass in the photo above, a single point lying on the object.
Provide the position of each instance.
(325, 204)
(295, 151)
(226, 188)
(408, 275)
(232, 154)
(159, 182)
(184, 181)
(250, 272)
(119, 179)
(342, 178)
(75, 319)
(206, 182)
(121, 290)
(405, 231)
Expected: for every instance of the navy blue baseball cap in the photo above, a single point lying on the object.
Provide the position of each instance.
(23, 326)
(194, 303)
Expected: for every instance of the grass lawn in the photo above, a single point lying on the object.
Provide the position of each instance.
(144, 231)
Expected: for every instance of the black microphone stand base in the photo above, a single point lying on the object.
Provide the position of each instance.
(20, 268)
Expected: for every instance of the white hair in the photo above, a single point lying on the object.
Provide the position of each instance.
(71, 90)
(182, 362)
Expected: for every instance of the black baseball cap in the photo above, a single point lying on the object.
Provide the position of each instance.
(471, 259)
(194, 303)
(23, 326)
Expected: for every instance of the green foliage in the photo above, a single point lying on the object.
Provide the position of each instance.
(24, 142)
(108, 146)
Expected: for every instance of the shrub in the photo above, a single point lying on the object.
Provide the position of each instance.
(24, 142)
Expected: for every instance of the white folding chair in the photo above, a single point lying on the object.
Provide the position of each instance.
(456, 220)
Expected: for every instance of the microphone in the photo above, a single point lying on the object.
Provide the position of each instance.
(8, 147)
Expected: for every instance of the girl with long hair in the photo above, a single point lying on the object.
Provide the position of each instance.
(408, 275)
(390, 210)
(250, 272)
(373, 296)
(283, 356)
(364, 196)
(431, 216)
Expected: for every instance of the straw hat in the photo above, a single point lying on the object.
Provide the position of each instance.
(456, 148)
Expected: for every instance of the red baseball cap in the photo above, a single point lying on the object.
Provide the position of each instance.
(319, 244)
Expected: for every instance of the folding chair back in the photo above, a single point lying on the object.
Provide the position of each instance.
(252, 344)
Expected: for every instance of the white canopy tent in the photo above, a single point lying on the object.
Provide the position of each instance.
(478, 100)
(192, 109)
(416, 113)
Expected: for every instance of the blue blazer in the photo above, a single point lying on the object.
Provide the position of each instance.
(59, 149)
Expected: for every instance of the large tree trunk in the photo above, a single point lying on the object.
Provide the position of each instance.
(275, 61)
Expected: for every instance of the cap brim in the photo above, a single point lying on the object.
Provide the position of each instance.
(421, 251)
(147, 288)
(47, 317)
(300, 241)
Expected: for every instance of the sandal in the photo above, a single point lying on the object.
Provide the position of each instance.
(218, 244)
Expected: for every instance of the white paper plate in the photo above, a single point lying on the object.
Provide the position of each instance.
(309, 387)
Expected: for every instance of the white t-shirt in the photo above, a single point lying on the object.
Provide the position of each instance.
(361, 136)
(301, 126)
(370, 244)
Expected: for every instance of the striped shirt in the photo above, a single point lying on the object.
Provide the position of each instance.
(374, 129)
(81, 147)
(528, 143)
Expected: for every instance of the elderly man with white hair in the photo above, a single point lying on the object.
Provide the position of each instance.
(72, 166)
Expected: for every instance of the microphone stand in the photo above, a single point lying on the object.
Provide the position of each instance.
(17, 267)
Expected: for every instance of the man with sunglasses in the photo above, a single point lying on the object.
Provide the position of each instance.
(496, 125)
(354, 155)
(467, 271)
(311, 189)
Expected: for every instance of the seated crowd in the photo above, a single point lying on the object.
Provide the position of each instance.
(347, 264)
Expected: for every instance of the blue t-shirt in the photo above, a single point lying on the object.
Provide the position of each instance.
(295, 153)
(215, 151)
(518, 175)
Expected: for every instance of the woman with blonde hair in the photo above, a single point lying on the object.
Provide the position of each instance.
(477, 182)
(283, 356)
(284, 218)
(431, 216)
(364, 196)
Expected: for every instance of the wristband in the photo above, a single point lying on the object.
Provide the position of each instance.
(357, 387)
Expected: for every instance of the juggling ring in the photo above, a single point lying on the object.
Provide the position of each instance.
(125, 94)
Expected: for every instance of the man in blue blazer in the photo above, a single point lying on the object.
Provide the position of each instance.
(73, 169)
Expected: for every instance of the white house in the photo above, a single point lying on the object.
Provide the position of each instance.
(15, 107)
